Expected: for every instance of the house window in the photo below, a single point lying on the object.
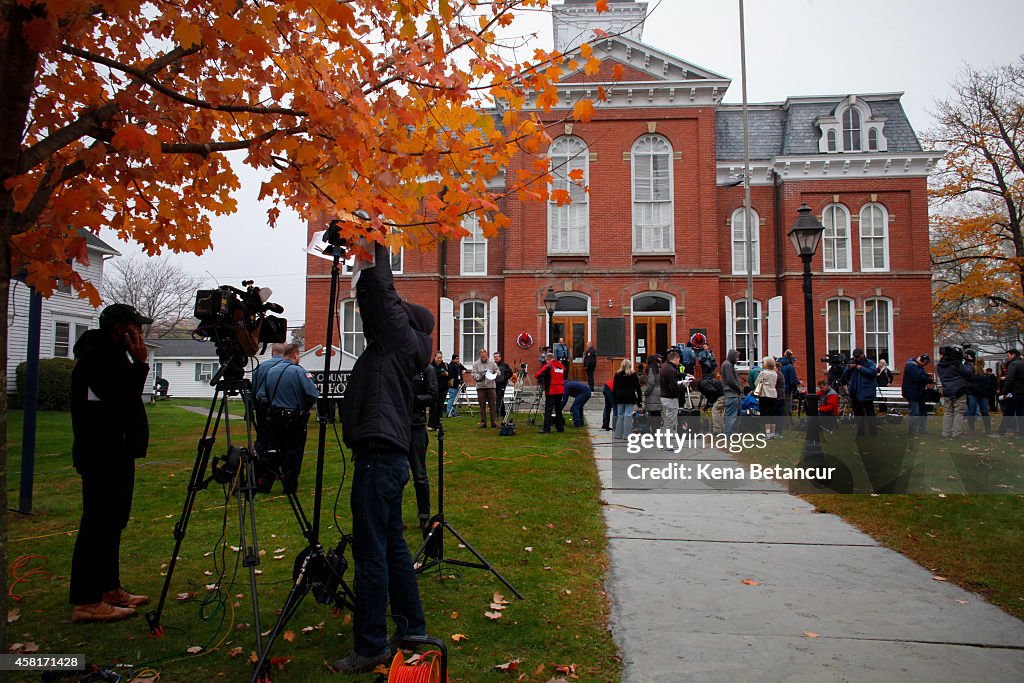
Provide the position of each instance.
(569, 223)
(352, 340)
(398, 261)
(739, 242)
(204, 371)
(652, 195)
(873, 139)
(839, 325)
(61, 340)
(63, 286)
(874, 238)
(878, 329)
(832, 147)
(80, 330)
(746, 332)
(474, 329)
(474, 247)
(836, 242)
(851, 130)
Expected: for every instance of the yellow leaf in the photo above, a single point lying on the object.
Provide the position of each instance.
(459, 637)
(810, 634)
(289, 636)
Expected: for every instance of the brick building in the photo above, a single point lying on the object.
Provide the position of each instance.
(657, 249)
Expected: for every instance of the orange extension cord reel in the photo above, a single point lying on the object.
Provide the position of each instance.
(432, 667)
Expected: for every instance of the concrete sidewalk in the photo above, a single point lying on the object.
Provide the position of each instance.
(681, 612)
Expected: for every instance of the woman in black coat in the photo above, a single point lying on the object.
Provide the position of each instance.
(626, 390)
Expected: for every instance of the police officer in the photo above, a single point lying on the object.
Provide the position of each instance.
(289, 392)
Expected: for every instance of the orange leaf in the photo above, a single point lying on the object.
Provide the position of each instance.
(593, 66)
(130, 138)
(188, 35)
(810, 634)
(289, 636)
(751, 582)
(601, 5)
(583, 110)
(618, 71)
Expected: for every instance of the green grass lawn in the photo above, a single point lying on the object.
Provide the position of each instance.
(528, 503)
(973, 539)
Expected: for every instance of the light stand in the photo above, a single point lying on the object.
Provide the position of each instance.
(317, 570)
(805, 236)
(433, 542)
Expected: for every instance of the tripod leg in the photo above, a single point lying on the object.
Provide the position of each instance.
(483, 561)
(298, 592)
(250, 550)
(196, 483)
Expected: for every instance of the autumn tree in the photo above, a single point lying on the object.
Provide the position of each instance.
(977, 227)
(157, 287)
(118, 114)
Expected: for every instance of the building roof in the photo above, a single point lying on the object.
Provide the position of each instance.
(94, 242)
(790, 128)
(182, 348)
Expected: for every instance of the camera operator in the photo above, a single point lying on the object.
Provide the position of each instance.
(861, 382)
(455, 372)
(954, 376)
(915, 381)
(288, 391)
(425, 393)
(552, 378)
(111, 430)
(501, 384)
(376, 420)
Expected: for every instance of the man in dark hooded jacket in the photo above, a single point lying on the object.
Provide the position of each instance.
(377, 420)
(111, 430)
(732, 390)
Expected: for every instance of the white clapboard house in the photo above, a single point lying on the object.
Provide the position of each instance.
(65, 316)
(188, 365)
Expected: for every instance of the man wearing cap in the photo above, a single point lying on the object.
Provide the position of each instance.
(484, 373)
(915, 380)
(110, 429)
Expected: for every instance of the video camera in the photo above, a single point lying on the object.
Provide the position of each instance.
(238, 323)
(837, 362)
(836, 358)
(951, 354)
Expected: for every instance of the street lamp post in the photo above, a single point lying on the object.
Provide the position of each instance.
(550, 304)
(805, 236)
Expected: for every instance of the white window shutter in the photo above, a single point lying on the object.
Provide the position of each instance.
(447, 327)
(730, 342)
(492, 323)
(775, 326)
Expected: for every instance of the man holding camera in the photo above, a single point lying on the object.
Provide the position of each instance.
(552, 378)
(915, 380)
(861, 383)
(111, 430)
(376, 419)
(954, 375)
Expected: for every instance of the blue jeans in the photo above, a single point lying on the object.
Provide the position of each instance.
(450, 406)
(609, 406)
(976, 405)
(383, 564)
(918, 417)
(577, 407)
(623, 420)
(732, 413)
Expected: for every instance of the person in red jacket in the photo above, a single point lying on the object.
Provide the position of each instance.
(552, 378)
(828, 400)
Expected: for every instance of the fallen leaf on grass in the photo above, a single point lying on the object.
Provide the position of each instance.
(499, 598)
(459, 637)
(289, 636)
(181, 597)
(207, 573)
(568, 669)
(751, 582)
(23, 648)
(211, 586)
(528, 549)
(961, 602)
(242, 627)
(235, 651)
(512, 665)
(381, 670)
(539, 670)
(13, 615)
(194, 650)
(498, 606)
(278, 557)
(347, 619)
(454, 615)
(938, 578)
(810, 634)
(279, 662)
(493, 615)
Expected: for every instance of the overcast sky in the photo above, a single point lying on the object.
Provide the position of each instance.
(794, 47)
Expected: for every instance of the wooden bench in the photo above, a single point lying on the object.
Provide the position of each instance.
(891, 395)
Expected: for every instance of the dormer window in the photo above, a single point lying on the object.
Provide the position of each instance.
(850, 127)
(851, 130)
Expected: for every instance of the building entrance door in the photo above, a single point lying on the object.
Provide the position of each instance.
(650, 335)
(574, 330)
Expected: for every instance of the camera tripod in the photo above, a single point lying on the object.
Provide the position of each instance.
(431, 552)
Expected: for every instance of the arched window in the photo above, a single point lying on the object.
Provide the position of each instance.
(572, 303)
(652, 195)
(352, 340)
(569, 223)
(474, 247)
(839, 326)
(851, 130)
(652, 303)
(832, 141)
(473, 326)
(874, 237)
(873, 139)
(571, 322)
(836, 240)
(739, 242)
(878, 329)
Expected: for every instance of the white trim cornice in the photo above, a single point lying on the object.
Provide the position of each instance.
(851, 166)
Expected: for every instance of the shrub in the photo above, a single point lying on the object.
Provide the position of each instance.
(54, 383)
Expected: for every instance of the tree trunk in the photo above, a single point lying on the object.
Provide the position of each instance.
(5, 288)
